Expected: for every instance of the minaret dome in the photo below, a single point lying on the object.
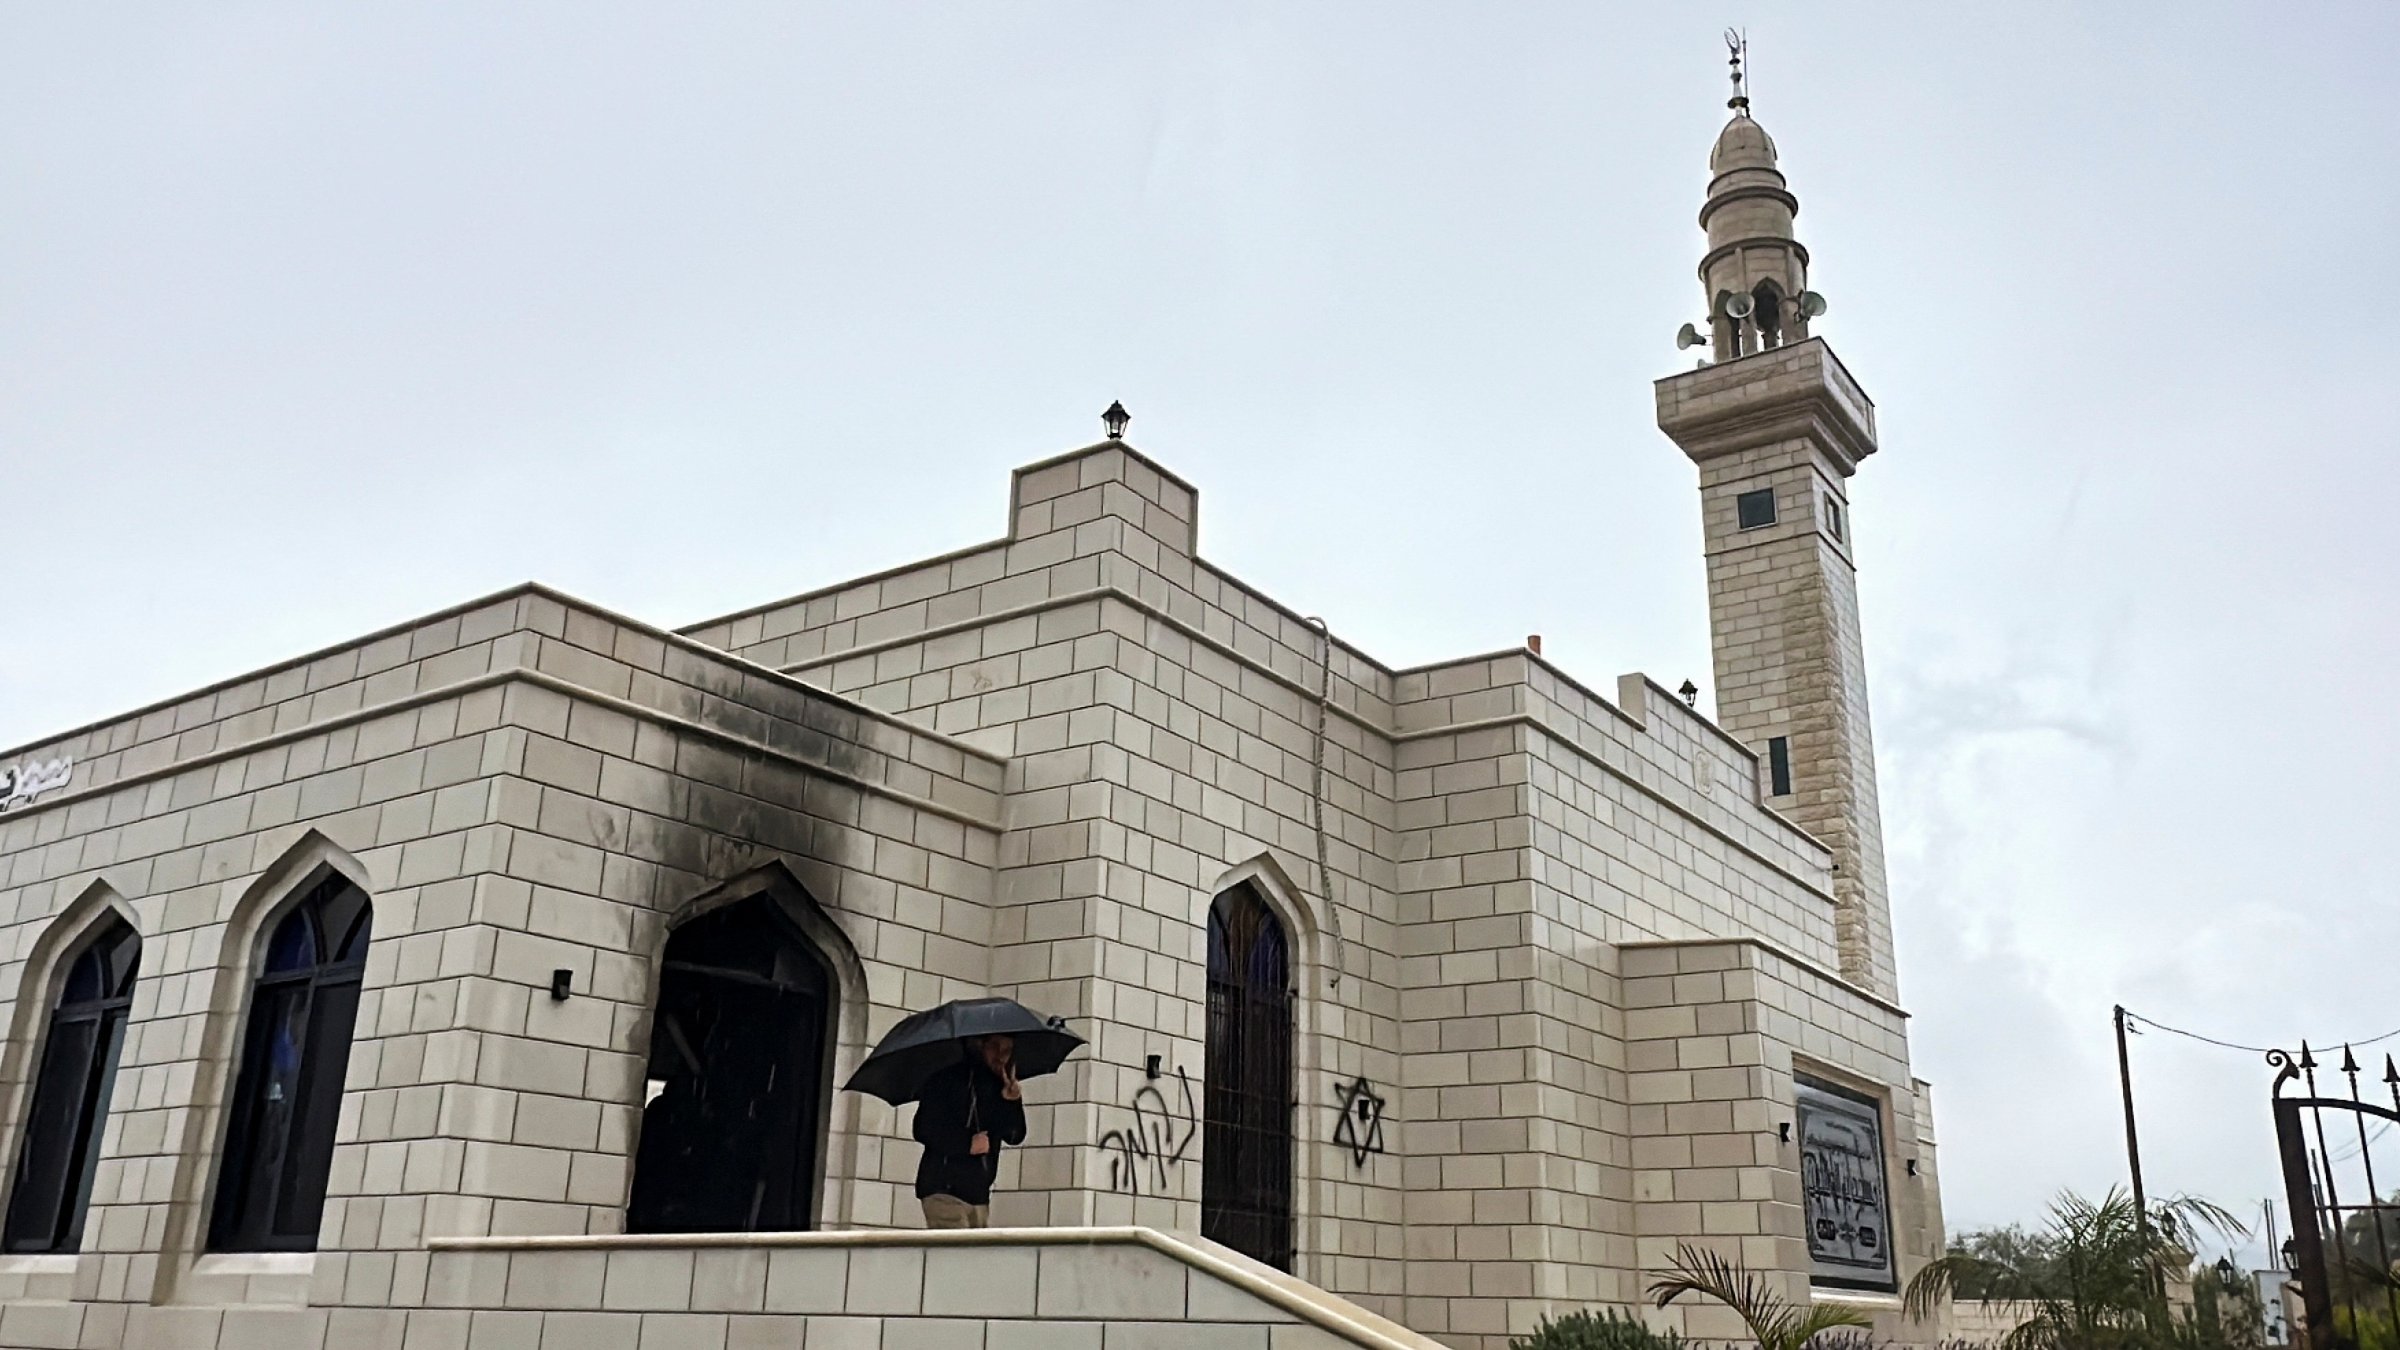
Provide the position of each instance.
(1755, 274)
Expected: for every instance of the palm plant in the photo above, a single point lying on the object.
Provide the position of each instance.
(2098, 1280)
(1774, 1321)
(1607, 1329)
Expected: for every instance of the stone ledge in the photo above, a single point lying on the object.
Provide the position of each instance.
(517, 592)
(1793, 392)
(538, 679)
(1327, 1311)
(1834, 978)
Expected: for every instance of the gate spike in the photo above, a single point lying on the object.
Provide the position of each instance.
(2308, 1062)
(2349, 1062)
(2391, 1072)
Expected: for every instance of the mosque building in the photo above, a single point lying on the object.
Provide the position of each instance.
(488, 981)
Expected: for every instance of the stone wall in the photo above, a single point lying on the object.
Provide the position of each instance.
(1494, 829)
(1161, 720)
(1985, 1321)
(1544, 827)
(1715, 1032)
(1031, 768)
(521, 786)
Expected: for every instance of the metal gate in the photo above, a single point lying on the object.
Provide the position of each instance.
(2345, 1226)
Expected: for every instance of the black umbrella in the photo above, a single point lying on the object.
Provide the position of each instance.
(926, 1043)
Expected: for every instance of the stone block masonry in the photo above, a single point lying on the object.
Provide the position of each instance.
(1030, 768)
(1783, 604)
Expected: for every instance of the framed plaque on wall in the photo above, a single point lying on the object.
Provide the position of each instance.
(1844, 1187)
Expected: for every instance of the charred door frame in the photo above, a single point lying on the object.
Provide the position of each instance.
(834, 1202)
(793, 1138)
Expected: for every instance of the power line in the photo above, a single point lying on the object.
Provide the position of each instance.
(2157, 1025)
(2342, 1154)
(2348, 1151)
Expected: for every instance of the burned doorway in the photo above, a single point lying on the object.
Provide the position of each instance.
(1246, 1159)
(740, 1049)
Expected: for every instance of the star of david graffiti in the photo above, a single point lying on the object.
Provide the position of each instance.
(1361, 1127)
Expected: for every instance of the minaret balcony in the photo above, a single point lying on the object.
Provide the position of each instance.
(1784, 393)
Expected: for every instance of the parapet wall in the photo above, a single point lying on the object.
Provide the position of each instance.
(994, 1289)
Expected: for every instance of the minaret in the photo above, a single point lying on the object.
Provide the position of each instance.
(1777, 427)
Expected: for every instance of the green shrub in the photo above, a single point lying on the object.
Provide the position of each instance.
(1608, 1330)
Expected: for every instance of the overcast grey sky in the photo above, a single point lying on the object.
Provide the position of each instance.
(316, 317)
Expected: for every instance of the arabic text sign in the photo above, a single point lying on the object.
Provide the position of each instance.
(21, 783)
(1843, 1187)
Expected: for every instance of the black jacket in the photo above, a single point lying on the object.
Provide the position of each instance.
(957, 1103)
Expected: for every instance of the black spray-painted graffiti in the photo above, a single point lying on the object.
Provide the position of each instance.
(1361, 1129)
(1158, 1138)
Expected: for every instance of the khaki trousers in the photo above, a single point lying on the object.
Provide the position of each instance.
(948, 1211)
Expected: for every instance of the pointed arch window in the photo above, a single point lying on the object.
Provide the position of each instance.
(1246, 1158)
(741, 1056)
(71, 1090)
(295, 1049)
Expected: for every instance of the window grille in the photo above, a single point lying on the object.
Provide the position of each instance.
(1246, 1159)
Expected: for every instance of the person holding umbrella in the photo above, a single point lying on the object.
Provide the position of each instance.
(961, 1063)
(965, 1115)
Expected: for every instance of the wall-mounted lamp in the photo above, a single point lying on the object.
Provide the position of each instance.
(561, 981)
(1150, 1066)
(1783, 1132)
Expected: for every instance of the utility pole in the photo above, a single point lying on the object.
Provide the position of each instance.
(2154, 1315)
(2133, 1143)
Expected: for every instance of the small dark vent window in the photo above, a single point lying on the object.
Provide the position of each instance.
(1833, 519)
(1779, 765)
(1754, 509)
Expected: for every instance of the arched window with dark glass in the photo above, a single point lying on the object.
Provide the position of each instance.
(288, 1092)
(740, 1072)
(71, 1090)
(1246, 1157)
